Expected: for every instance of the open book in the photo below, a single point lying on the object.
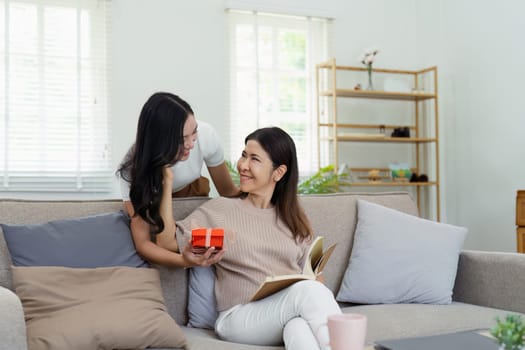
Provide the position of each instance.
(316, 260)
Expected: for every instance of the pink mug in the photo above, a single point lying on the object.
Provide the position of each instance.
(347, 331)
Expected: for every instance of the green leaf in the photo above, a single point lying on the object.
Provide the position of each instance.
(510, 333)
(324, 181)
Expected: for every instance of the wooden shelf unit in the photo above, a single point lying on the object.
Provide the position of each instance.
(384, 95)
(385, 139)
(337, 130)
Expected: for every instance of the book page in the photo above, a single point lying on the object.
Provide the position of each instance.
(317, 257)
(313, 256)
(315, 262)
(319, 267)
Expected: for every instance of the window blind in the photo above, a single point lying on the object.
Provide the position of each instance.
(54, 115)
(272, 61)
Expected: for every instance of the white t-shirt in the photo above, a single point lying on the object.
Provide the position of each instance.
(207, 150)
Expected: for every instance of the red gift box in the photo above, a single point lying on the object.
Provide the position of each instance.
(207, 237)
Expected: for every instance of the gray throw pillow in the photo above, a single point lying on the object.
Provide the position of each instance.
(202, 306)
(88, 242)
(400, 258)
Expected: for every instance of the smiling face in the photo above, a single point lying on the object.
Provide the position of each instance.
(258, 176)
(189, 137)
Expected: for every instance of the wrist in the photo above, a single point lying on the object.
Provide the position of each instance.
(186, 263)
(167, 185)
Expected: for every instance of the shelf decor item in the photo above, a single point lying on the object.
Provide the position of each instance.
(400, 172)
(368, 59)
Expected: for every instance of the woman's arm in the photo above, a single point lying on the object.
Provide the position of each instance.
(223, 181)
(166, 251)
(159, 255)
(166, 238)
(140, 231)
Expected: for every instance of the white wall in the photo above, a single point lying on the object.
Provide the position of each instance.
(488, 77)
(163, 45)
(387, 25)
(179, 46)
(480, 51)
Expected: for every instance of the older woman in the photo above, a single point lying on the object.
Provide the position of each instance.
(271, 236)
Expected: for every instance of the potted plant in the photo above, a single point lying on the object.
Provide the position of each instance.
(233, 172)
(510, 333)
(326, 180)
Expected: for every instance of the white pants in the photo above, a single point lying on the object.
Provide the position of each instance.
(296, 315)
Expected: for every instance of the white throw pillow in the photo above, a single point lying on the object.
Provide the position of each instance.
(400, 258)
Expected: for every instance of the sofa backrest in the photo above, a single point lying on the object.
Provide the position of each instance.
(333, 216)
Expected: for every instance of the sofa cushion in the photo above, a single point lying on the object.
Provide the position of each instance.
(102, 308)
(12, 323)
(198, 338)
(412, 320)
(202, 305)
(400, 258)
(87, 242)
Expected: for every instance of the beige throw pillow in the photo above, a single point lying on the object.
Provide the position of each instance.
(99, 308)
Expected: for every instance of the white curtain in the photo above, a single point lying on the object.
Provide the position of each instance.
(54, 122)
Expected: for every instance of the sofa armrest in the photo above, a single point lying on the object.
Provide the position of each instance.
(12, 324)
(492, 279)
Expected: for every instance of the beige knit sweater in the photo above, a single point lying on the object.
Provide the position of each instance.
(257, 244)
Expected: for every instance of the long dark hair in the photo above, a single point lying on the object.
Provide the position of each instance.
(281, 149)
(158, 143)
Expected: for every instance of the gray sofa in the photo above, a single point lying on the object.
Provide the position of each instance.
(488, 284)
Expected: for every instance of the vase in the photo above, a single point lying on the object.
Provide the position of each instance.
(370, 85)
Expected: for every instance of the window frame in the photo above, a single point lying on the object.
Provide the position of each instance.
(309, 162)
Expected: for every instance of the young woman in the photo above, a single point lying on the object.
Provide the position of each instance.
(271, 234)
(169, 136)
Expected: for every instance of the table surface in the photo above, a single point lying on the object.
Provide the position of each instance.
(482, 332)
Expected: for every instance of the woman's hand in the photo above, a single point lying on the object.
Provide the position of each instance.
(210, 256)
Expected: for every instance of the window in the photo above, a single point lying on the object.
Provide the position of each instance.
(54, 123)
(272, 78)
